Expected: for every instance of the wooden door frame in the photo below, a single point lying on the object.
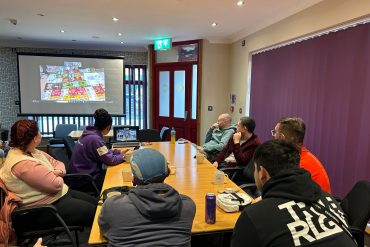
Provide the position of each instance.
(152, 79)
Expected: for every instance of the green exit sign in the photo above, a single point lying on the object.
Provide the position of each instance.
(162, 44)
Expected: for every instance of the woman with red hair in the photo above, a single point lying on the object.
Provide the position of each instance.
(37, 178)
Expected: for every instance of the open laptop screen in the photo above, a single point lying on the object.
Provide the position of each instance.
(125, 133)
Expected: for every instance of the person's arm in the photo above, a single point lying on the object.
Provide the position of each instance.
(245, 233)
(208, 135)
(38, 176)
(220, 144)
(242, 157)
(108, 157)
(221, 156)
(59, 166)
(103, 219)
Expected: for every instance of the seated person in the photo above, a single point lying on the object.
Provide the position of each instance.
(217, 136)
(240, 148)
(293, 129)
(294, 211)
(153, 213)
(90, 152)
(37, 178)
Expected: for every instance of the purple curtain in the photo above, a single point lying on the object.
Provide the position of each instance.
(325, 81)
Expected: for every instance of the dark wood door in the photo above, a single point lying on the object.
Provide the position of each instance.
(174, 100)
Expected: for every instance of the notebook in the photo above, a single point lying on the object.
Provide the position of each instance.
(125, 136)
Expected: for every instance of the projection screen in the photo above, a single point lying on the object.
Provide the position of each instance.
(70, 85)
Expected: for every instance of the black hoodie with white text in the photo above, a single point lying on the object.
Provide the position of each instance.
(288, 215)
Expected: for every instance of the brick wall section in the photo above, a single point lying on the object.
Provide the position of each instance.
(9, 74)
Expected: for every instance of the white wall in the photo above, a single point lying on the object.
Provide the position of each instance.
(324, 15)
(214, 85)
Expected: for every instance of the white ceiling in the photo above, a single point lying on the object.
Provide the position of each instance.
(140, 21)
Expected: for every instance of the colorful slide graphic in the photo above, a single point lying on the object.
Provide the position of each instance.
(72, 83)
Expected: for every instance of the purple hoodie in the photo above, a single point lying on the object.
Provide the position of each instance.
(91, 152)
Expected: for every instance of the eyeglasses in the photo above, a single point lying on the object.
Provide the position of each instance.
(274, 132)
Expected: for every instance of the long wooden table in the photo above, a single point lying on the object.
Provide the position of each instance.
(191, 179)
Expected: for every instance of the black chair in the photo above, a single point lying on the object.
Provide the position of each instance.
(23, 222)
(356, 205)
(72, 179)
(61, 131)
(164, 133)
(149, 135)
(69, 144)
(243, 176)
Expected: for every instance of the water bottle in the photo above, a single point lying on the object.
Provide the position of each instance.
(173, 135)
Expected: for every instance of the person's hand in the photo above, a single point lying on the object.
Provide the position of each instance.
(200, 149)
(39, 243)
(214, 126)
(58, 172)
(215, 164)
(124, 151)
(236, 137)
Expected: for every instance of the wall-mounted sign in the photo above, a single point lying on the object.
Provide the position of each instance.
(162, 44)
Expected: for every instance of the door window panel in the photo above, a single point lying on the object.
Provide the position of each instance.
(164, 93)
(179, 94)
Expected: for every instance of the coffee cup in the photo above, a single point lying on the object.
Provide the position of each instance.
(126, 174)
(200, 157)
(172, 169)
(128, 156)
(219, 177)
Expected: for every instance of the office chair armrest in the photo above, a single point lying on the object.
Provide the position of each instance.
(44, 208)
(86, 176)
(29, 209)
(248, 186)
(251, 189)
(232, 171)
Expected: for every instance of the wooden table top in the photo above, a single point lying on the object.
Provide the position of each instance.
(191, 179)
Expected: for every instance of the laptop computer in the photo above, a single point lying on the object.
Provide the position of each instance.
(125, 136)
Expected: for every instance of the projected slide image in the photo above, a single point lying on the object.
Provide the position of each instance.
(72, 83)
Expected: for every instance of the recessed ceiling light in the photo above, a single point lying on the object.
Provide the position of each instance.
(40, 14)
(62, 31)
(119, 34)
(214, 24)
(240, 3)
(115, 19)
(121, 42)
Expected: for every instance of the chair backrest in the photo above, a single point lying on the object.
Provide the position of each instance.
(62, 130)
(69, 144)
(356, 205)
(149, 135)
(59, 154)
(164, 133)
(248, 172)
(4, 135)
